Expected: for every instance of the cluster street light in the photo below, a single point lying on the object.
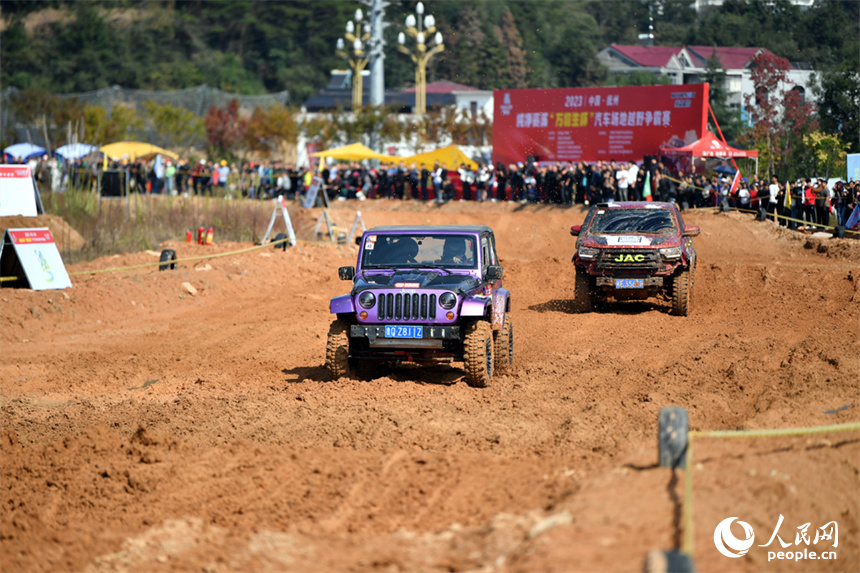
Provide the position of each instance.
(421, 28)
(357, 57)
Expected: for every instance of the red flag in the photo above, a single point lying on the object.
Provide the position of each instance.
(735, 182)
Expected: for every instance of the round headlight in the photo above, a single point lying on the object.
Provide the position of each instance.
(447, 300)
(366, 299)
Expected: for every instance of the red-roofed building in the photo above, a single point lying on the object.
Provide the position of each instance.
(688, 64)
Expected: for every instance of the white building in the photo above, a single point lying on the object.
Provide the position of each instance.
(688, 65)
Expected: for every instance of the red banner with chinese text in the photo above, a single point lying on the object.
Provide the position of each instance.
(591, 124)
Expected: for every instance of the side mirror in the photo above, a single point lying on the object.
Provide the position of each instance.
(691, 231)
(494, 272)
(574, 230)
(358, 240)
(346, 273)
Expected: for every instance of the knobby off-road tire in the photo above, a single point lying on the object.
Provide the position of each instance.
(503, 347)
(681, 293)
(692, 273)
(337, 350)
(478, 354)
(582, 295)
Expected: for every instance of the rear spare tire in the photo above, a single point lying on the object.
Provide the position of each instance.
(478, 354)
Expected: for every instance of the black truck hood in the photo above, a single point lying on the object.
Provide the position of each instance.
(461, 284)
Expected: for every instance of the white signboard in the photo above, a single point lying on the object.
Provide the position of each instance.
(313, 189)
(17, 191)
(33, 254)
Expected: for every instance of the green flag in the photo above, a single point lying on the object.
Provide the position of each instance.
(646, 191)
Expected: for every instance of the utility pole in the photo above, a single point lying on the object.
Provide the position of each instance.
(376, 51)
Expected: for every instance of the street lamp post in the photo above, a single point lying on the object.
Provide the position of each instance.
(357, 58)
(420, 28)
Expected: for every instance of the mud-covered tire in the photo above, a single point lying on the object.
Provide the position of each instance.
(582, 295)
(503, 347)
(337, 350)
(681, 293)
(692, 273)
(168, 256)
(478, 354)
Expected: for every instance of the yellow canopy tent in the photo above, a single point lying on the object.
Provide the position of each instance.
(452, 156)
(135, 150)
(354, 152)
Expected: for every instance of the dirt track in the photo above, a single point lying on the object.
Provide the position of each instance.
(146, 429)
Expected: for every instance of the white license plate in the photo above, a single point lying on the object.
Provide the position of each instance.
(629, 283)
(404, 331)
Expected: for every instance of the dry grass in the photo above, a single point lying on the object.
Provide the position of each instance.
(112, 226)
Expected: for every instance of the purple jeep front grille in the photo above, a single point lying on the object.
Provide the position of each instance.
(406, 307)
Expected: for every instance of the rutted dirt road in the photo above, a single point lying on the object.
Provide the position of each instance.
(146, 429)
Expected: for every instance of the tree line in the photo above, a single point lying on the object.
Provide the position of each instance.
(62, 46)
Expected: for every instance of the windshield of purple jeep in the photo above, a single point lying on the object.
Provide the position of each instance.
(419, 251)
(651, 221)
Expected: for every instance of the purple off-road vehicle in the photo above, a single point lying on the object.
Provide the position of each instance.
(634, 251)
(424, 294)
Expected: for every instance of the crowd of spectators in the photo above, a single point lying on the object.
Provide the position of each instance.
(811, 202)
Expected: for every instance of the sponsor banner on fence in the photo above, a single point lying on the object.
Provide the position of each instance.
(590, 124)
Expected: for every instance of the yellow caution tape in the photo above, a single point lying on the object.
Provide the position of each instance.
(778, 432)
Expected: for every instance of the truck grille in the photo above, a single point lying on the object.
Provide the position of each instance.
(406, 307)
(629, 259)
